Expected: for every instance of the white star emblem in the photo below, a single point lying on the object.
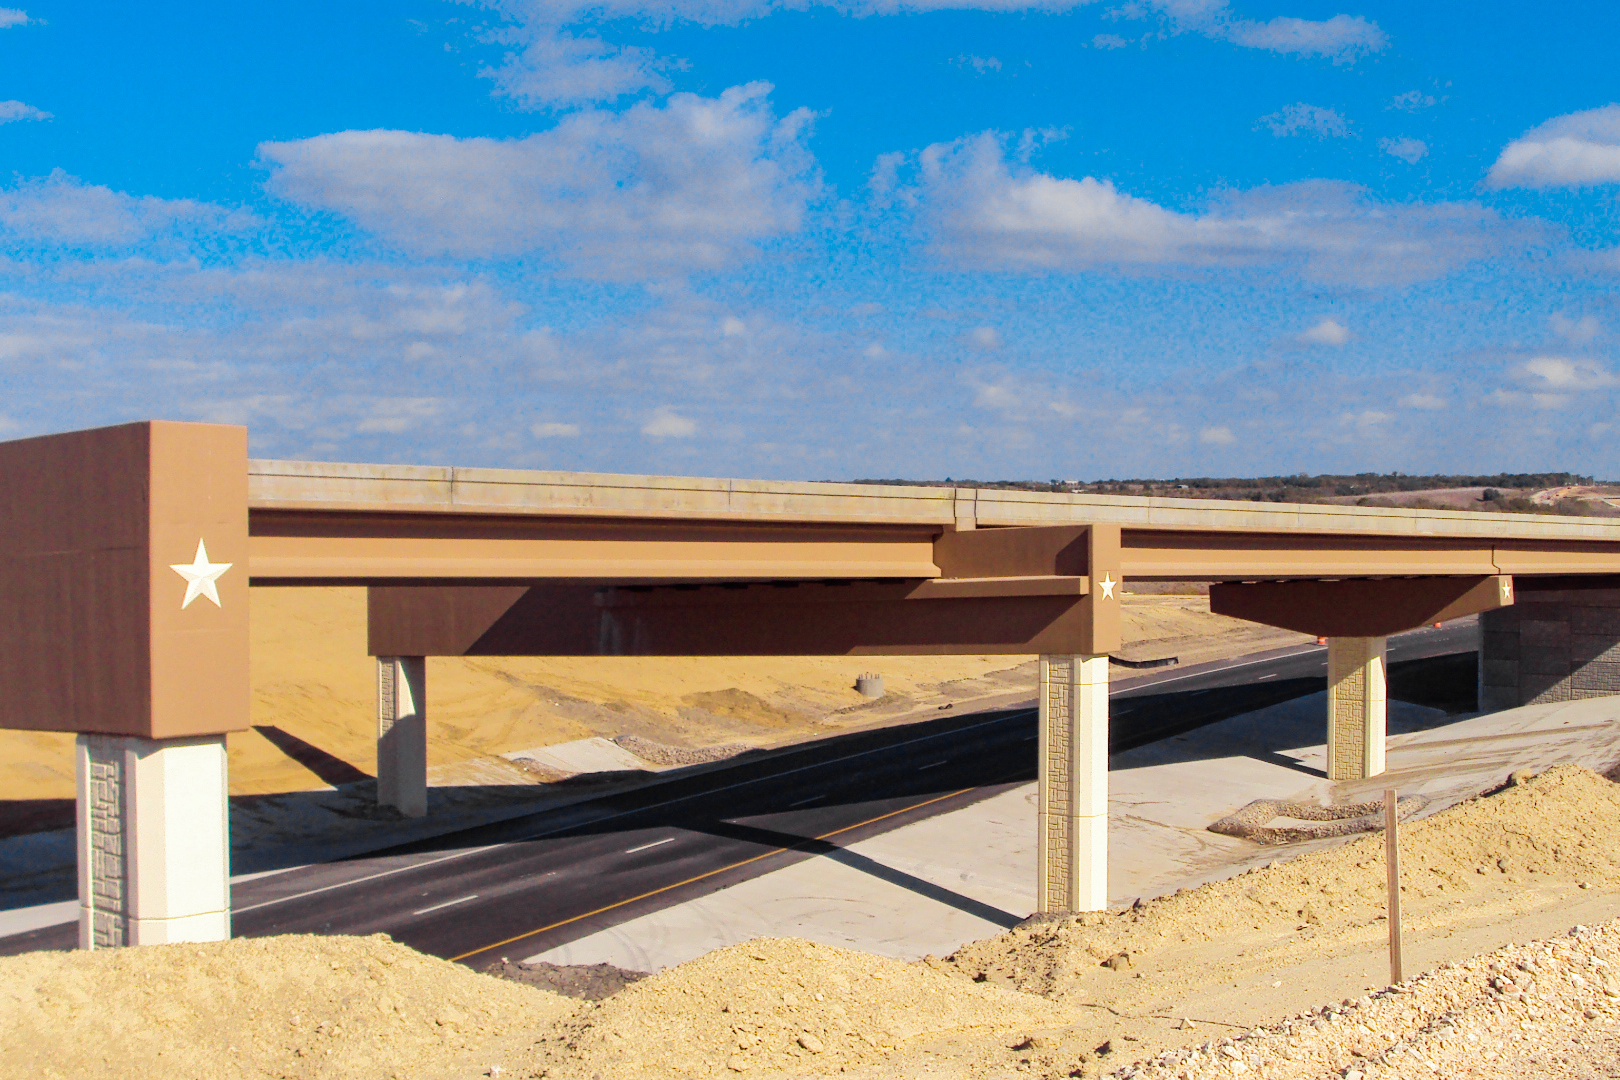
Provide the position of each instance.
(1507, 591)
(1107, 584)
(200, 575)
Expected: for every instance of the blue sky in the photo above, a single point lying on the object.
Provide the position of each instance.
(917, 238)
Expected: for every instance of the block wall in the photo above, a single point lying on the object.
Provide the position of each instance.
(1551, 645)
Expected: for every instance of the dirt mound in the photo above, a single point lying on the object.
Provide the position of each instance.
(1547, 1008)
(1556, 828)
(778, 1003)
(592, 982)
(289, 1007)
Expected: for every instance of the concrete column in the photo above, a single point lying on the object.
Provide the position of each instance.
(154, 844)
(1357, 707)
(402, 734)
(1073, 856)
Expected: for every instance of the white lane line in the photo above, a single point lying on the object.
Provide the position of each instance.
(933, 764)
(447, 903)
(1029, 738)
(805, 802)
(655, 843)
(1263, 678)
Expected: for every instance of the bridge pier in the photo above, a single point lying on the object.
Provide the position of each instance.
(153, 841)
(1357, 707)
(1073, 784)
(402, 734)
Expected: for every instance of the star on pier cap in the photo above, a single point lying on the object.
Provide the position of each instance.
(200, 575)
(1107, 584)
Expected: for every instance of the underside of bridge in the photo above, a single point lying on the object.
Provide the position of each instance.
(126, 554)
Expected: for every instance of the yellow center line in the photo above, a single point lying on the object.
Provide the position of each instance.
(711, 873)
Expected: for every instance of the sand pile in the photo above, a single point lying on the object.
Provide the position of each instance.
(290, 1007)
(781, 1003)
(1548, 1008)
(1550, 831)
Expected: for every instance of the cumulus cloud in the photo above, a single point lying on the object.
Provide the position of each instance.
(1303, 119)
(989, 211)
(1408, 150)
(62, 210)
(1578, 150)
(666, 423)
(1579, 331)
(1326, 332)
(11, 111)
(10, 17)
(1217, 436)
(984, 337)
(649, 191)
(1429, 402)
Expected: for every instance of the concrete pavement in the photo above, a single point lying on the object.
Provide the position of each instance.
(1162, 798)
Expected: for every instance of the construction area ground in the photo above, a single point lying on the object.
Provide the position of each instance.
(1223, 956)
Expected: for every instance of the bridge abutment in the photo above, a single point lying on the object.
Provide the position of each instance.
(402, 734)
(1554, 644)
(1073, 775)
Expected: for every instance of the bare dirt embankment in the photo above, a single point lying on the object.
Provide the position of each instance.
(313, 681)
(1213, 982)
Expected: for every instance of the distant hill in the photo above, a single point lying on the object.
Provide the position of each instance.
(1544, 493)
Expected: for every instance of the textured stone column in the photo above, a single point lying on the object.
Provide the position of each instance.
(1357, 707)
(402, 734)
(1073, 773)
(154, 847)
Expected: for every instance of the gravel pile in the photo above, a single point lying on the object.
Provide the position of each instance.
(1545, 1009)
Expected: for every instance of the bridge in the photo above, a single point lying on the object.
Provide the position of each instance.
(126, 554)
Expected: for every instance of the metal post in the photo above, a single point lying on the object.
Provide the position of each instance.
(1392, 862)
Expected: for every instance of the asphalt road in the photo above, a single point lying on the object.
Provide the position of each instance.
(522, 886)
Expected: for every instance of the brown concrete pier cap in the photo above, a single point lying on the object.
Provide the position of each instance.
(98, 636)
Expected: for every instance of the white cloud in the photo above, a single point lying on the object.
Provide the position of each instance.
(11, 111)
(62, 210)
(1108, 41)
(984, 337)
(1413, 100)
(1430, 402)
(1408, 150)
(874, 351)
(989, 212)
(1579, 331)
(1342, 39)
(1303, 119)
(1562, 373)
(650, 191)
(668, 424)
(550, 64)
(10, 17)
(731, 326)
(1366, 421)
(980, 64)
(1326, 332)
(552, 429)
(393, 416)
(1217, 436)
(1577, 150)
